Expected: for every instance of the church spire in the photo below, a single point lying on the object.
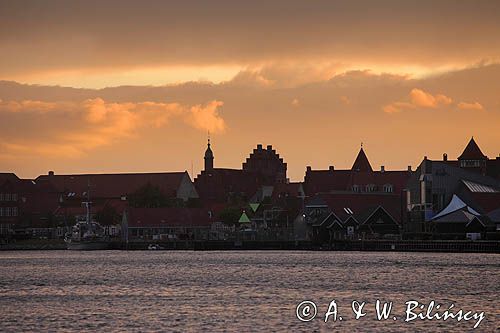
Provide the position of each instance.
(209, 156)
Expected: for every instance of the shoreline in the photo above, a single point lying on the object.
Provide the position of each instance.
(438, 246)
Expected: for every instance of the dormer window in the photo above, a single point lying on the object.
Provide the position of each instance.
(370, 188)
(470, 163)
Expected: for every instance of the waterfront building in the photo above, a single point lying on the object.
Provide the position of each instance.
(472, 159)
(24, 204)
(355, 203)
(458, 221)
(472, 178)
(167, 223)
(262, 167)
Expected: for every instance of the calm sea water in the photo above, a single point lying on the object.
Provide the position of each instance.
(255, 291)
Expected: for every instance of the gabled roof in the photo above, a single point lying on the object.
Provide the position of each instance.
(328, 221)
(361, 163)
(472, 152)
(365, 215)
(350, 218)
(358, 203)
(455, 204)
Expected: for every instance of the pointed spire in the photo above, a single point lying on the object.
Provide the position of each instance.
(472, 152)
(361, 163)
(209, 156)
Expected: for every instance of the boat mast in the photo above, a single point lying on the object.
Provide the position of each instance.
(87, 204)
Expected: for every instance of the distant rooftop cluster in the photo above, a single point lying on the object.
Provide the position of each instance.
(359, 202)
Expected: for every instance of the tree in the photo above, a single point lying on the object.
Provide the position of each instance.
(148, 196)
(107, 216)
(230, 215)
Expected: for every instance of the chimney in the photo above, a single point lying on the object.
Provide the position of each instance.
(269, 147)
(409, 168)
(331, 168)
(51, 173)
(309, 168)
(382, 168)
(259, 146)
(445, 157)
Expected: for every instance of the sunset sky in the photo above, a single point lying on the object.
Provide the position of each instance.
(134, 86)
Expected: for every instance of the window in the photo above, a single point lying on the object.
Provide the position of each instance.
(388, 188)
(470, 163)
(7, 211)
(355, 188)
(1, 196)
(14, 196)
(7, 196)
(350, 230)
(14, 211)
(370, 188)
(1, 211)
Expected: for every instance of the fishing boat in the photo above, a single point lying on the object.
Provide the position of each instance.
(87, 235)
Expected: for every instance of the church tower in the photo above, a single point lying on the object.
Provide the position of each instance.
(209, 158)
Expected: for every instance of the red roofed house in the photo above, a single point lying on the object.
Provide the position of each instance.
(110, 191)
(24, 203)
(472, 177)
(170, 223)
(115, 186)
(359, 191)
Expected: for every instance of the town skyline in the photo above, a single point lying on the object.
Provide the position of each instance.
(193, 173)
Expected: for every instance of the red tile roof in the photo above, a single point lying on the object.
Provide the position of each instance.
(217, 184)
(114, 185)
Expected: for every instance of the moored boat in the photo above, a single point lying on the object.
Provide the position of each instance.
(87, 235)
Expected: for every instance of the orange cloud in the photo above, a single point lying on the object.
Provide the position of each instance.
(470, 106)
(94, 122)
(397, 107)
(206, 117)
(33, 106)
(427, 100)
(419, 98)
